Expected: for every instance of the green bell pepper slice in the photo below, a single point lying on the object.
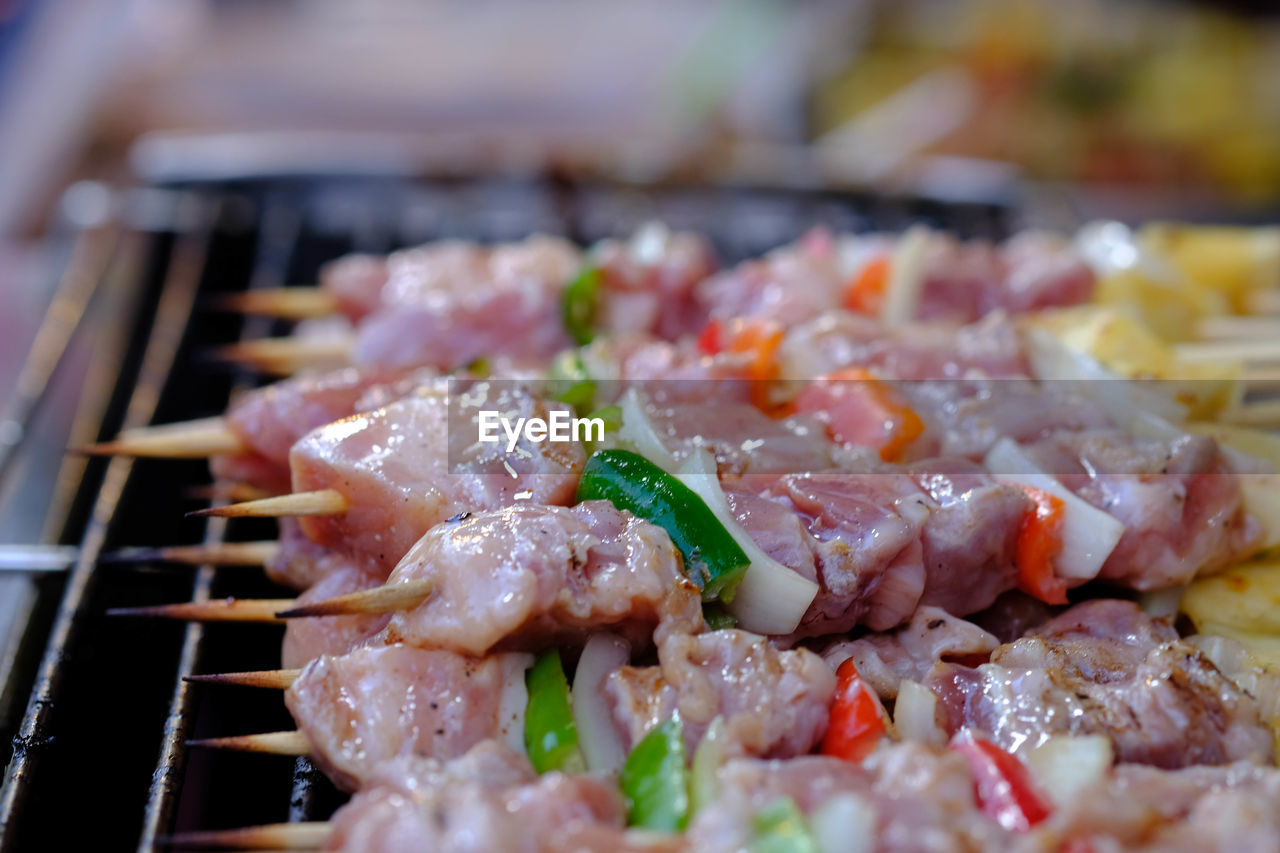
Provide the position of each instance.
(655, 781)
(550, 734)
(781, 828)
(712, 557)
(581, 302)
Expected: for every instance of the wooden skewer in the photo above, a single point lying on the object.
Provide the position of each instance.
(287, 303)
(187, 440)
(271, 836)
(322, 502)
(285, 356)
(218, 610)
(270, 743)
(270, 679)
(1259, 351)
(380, 599)
(222, 553)
(1234, 328)
(1264, 413)
(1264, 302)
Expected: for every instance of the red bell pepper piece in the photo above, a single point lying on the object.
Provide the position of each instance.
(865, 293)
(1002, 783)
(857, 720)
(859, 409)
(1039, 542)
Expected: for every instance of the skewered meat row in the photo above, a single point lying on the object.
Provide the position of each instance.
(1101, 667)
(448, 303)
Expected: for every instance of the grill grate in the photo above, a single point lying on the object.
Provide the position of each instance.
(108, 695)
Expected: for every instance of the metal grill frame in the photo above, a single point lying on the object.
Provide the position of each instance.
(286, 211)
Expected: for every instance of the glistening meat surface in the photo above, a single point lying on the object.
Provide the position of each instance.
(375, 703)
(1104, 667)
(1179, 499)
(774, 703)
(397, 469)
(447, 304)
(526, 577)
(271, 419)
(883, 539)
(488, 800)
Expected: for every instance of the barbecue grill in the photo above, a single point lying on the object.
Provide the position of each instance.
(100, 751)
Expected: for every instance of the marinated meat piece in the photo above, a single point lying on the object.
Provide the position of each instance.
(527, 577)
(774, 703)
(838, 339)
(307, 639)
(932, 635)
(649, 282)
(1228, 808)
(1179, 499)
(1104, 667)
(965, 281)
(970, 541)
(488, 800)
(902, 798)
(788, 285)
(269, 420)
(356, 281)
(965, 418)
(744, 439)
(858, 536)
(402, 476)
(301, 564)
(450, 303)
(378, 702)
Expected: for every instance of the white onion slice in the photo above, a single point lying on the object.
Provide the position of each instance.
(514, 699)
(1162, 603)
(1089, 535)
(708, 758)
(598, 737)
(845, 823)
(1065, 765)
(907, 269)
(771, 599)
(638, 431)
(915, 714)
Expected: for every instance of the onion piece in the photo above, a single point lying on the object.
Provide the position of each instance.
(1162, 603)
(1089, 535)
(638, 432)
(915, 714)
(907, 268)
(771, 599)
(708, 758)
(845, 823)
(598, 737)
(514, 699)
(1065, 765)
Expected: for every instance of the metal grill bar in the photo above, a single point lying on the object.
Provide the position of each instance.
(166, 336)
(298, 224)
(279, 234)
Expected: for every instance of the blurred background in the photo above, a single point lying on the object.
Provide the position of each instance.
(1169, 108)
(1003, 112)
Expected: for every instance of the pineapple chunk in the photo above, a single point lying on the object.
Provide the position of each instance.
(1232, 261)
(1128, 348)
(1240, 602)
